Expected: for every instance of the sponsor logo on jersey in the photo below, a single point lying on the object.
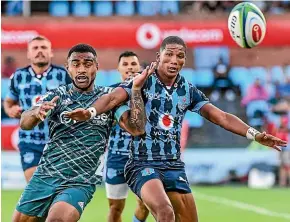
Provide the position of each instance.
(182, 179)
(147, 172)
(101, 119)
(81, 204)
(166, 121)
(152, 96)
(28, 157)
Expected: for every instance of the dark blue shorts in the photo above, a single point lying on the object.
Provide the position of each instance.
(170, 173)
(115, 169)
(30, 155)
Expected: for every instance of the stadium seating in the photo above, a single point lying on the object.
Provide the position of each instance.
(148, 8)
(14, 8)
(81, 8)
(204, 77)
(254, 106)
(59, 8)
(103, 8)
(188, 74)
(102, 78)
(277, 74)
(113, 77)
(125, 8)
(169, 7)
(239, 75)
(194, 120)
(258, 72)
(203, 60)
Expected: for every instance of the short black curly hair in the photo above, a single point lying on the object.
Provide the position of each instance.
(172, 40)
(82, 48)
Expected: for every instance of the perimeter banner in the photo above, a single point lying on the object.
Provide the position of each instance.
(136, 34)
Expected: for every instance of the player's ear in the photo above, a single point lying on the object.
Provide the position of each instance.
(66, 66)
(157, 57)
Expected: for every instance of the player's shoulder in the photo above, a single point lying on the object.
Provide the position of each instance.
(20, 72)
(59, 68)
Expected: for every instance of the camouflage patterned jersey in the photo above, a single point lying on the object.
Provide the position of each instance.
(75, 149)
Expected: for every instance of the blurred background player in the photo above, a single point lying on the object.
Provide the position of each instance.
(72, 161)
(155, 171)
(26, 87)
(118, 153)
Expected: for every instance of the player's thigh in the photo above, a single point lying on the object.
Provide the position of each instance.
(20, 217)
(184, 207)
(62, 211)
(70, 203)
(154, 197)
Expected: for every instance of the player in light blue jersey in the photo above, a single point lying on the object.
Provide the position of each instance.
(155, 171)
(27, 85)
(71, 165)
(118, 154)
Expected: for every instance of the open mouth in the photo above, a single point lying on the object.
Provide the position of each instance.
(172, 69)
(82, 78)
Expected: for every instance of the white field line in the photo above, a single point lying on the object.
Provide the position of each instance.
(240, 205)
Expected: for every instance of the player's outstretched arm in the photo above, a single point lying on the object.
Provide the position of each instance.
(233, 124)
(102, 105)
(30, 118)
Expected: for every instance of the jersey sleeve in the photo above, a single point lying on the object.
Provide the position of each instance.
(197, 100)
(120, 111)
(127, 86)
(13, 93)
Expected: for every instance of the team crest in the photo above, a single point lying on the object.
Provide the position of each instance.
(166, 121)
(111, 173)
(28, 157)
(147, 172)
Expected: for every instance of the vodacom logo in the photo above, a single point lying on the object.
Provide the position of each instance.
(150, 35)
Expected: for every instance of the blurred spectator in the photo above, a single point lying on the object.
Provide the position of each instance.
(279, 104)
(8, 67)
(222, 82)
(284, 89)
(255, 92)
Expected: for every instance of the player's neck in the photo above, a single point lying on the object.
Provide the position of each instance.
(39, 70)
(90, 89)
(164, 79)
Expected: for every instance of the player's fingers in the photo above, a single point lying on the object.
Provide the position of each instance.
(281, 143)
(47, 107)
(277, 148)
(54, 99)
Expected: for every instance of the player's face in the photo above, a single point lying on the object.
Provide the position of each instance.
(39, 52)
(171, 60)
(128, 66)
(82, 68)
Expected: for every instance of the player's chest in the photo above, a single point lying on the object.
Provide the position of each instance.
(166, 101)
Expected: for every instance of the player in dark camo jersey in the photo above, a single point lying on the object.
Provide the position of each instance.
(71, 165)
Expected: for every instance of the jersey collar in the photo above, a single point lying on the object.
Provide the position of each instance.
(39, 76)
(174, 85)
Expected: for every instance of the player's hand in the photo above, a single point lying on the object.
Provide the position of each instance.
(271, 141)
(139, 80)
(79, 114)
(14, 112)
(44, 108)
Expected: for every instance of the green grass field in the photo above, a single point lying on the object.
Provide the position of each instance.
(218, 204)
